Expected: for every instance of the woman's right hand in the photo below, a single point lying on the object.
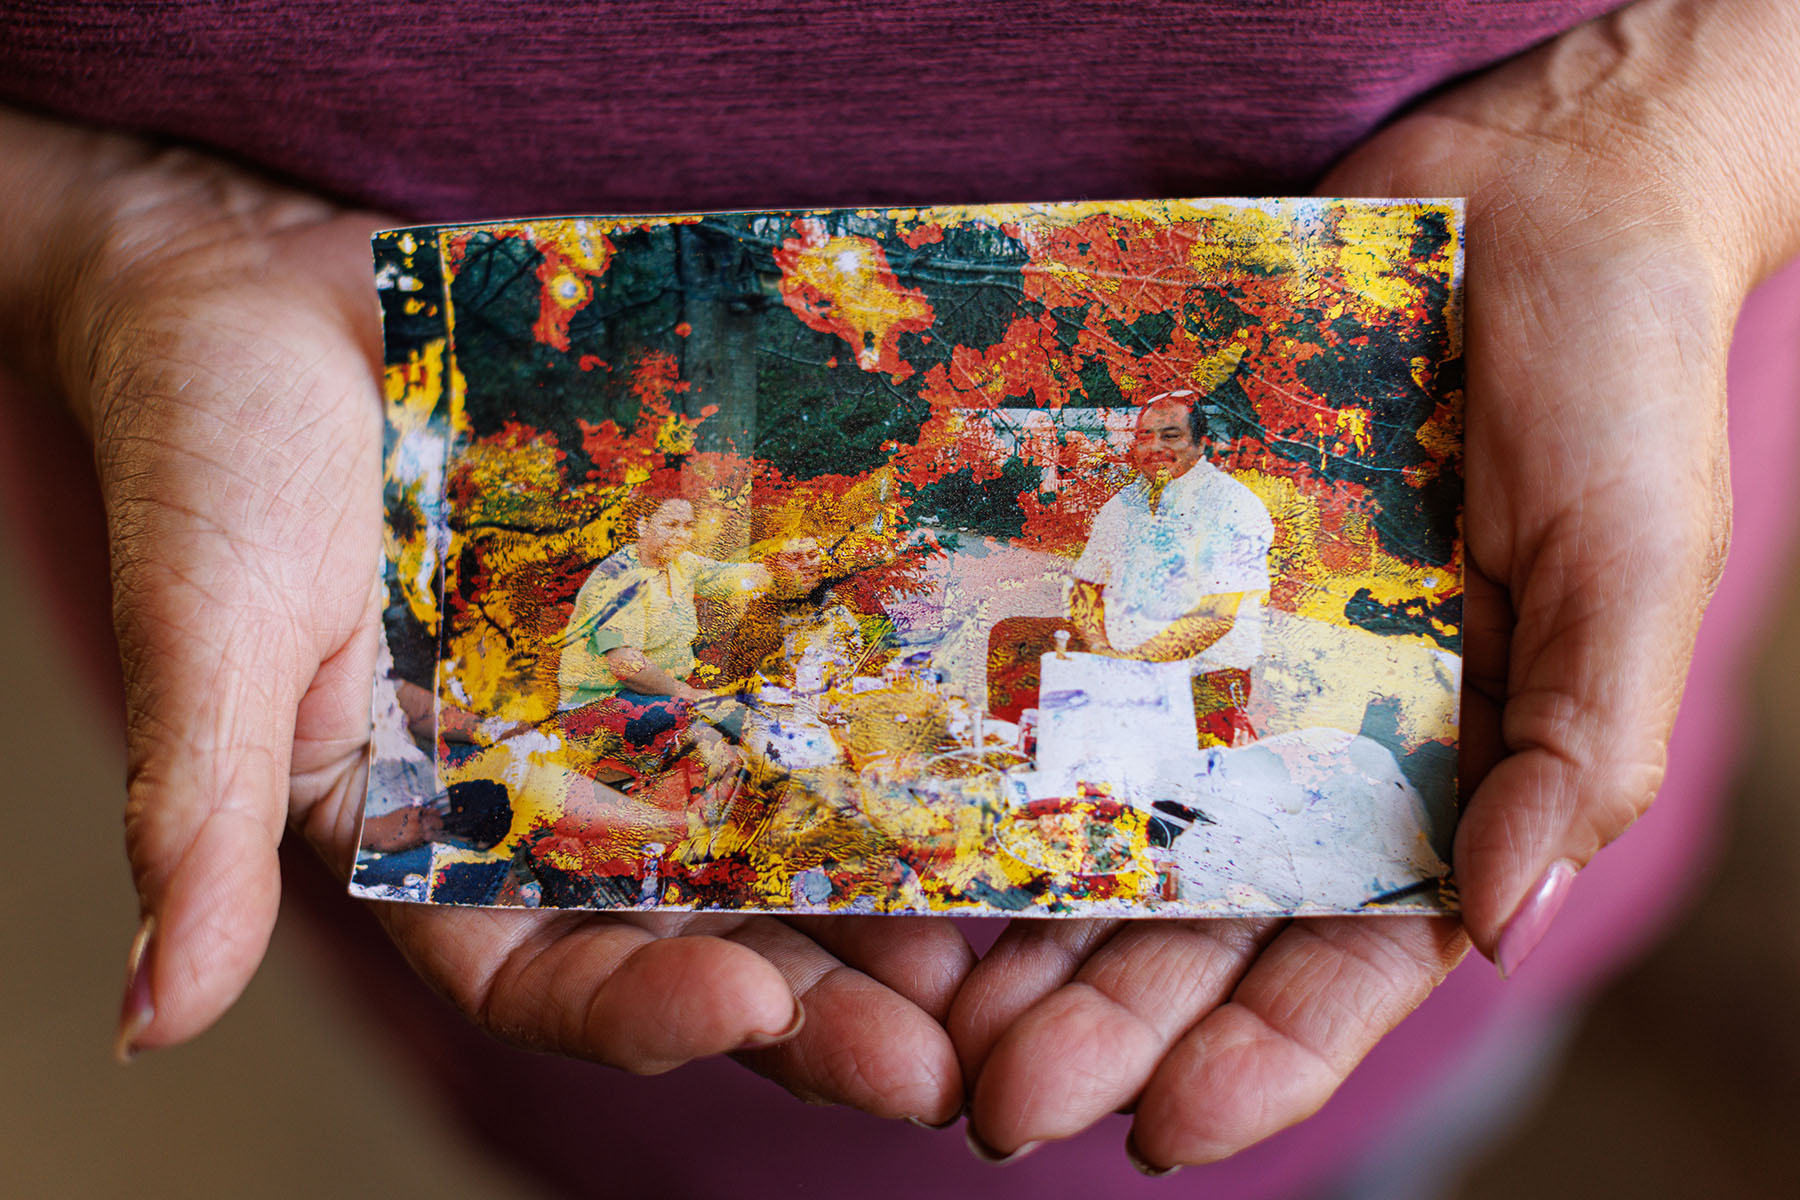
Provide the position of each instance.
(216, 336)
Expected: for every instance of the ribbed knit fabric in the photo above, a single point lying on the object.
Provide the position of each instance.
(457, 111)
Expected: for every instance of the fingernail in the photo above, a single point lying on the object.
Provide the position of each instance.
(936, 1126)
(1531, 920)
(757, 1041)
(1141, 1165)
(137, 1009)
(987, 1154)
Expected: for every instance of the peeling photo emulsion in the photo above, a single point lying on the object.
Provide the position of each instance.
(1061, 559)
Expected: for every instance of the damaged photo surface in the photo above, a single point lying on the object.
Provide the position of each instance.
(1051, 559)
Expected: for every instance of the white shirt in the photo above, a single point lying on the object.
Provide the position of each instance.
(1208, 536)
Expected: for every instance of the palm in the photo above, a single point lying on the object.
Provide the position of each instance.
(240, 451)
(1595, 471)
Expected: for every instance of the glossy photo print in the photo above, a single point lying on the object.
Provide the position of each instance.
(1060, 559)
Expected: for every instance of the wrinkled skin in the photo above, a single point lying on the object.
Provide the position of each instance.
(1601, 294)
(220, 344)
(215, 335)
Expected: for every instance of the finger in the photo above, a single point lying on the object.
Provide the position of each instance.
(328, 774)
(1316, 1001)
(1031, 959)
(640, 993)
(924, 959)
(1088, 1048)
(864, 1044)
(1488, 633)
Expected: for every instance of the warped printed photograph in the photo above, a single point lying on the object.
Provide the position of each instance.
(1062, 559)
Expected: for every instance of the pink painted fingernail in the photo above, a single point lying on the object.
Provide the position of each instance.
(1141, 1165)
(987, 1154)
(1531, 920)
(137, 1009)
(757, 1041)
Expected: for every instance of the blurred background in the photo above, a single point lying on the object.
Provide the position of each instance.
(1680, 1080)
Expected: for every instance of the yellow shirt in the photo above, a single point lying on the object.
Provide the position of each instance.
(625, 603)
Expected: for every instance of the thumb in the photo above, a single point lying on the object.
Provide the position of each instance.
(211, 699)
(1608, 558)
(1598, 660)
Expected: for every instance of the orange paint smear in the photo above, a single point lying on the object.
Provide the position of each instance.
(1026, 364)
(844, 286)
(922, 235)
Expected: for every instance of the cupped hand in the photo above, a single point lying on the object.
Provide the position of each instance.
(218, 337)
(1603, 279)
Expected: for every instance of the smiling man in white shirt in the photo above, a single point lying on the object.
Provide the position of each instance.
(1176, 567)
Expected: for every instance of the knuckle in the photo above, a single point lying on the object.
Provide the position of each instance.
(1614, 794)
(1608, 773)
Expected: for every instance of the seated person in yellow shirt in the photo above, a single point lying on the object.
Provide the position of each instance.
(626, 706)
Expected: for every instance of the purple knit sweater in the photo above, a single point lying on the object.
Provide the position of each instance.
(440, 111)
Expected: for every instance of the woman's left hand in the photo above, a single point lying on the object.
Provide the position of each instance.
(1626, 186)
